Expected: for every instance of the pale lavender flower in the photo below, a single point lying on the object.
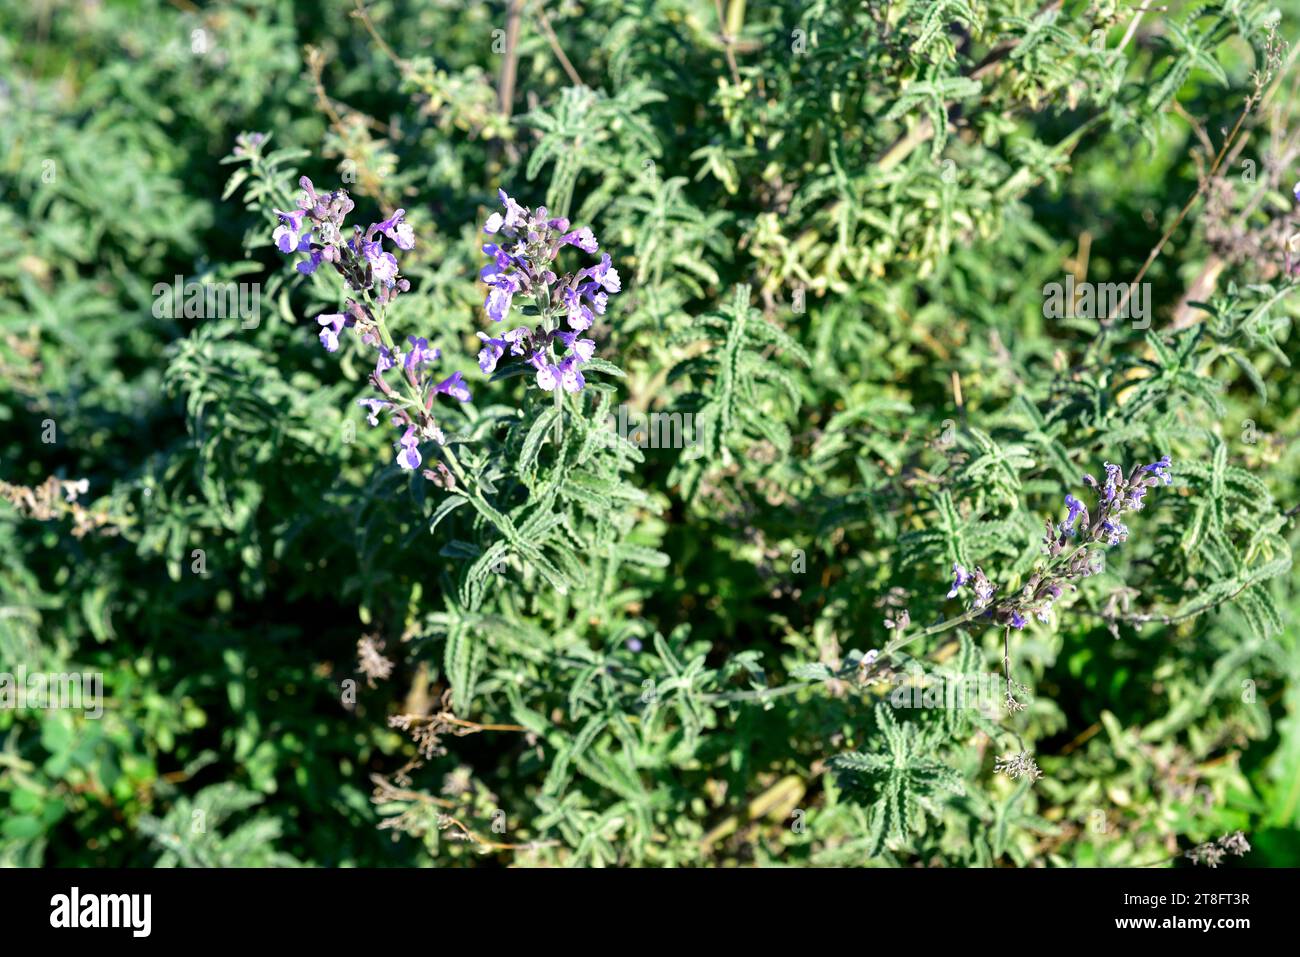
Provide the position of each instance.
(375, 406)
(333, 325)
(606, 276)
(518, 339)
(547, 375)
(516, 216)
(493, 350)
(1114, 476)
(317, 228)
(383, 266)
(983, 589)
(408, 454)
(1116, 531)
(401, 233)
(498, 302)
(577, 313)
(290, 236)
(583, 238)
(584, 349)
(570, 378)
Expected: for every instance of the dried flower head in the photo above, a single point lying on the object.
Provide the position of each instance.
(1212, 853)
(370, 660)
(1017, 766)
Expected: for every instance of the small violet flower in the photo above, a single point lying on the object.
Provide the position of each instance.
(454, 386)
(1076, 508)
(960, 577)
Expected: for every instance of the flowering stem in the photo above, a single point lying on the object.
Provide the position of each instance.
(900, 641)
(453, 463)
(763, 694)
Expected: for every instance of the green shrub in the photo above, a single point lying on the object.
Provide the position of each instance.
(849, 238)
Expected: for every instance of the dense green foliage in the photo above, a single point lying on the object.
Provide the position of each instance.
(835, 222)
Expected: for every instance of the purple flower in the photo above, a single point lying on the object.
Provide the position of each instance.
(382, 265)
(983, 589)
(606, 276)
(420, 354)
(1296, 192)
(516, 215)
(523, 264)
(1076, 509)
(570, 377)
(408, 455)
(1017, 620)
(387, 359)
(333, 323)
(493, 349)
(960, 578)
(501, 261)
(454, 386)
(317, 227)
(584, 349)
(579, 316)
(290, 236)
(497, 303)
(583, 238)
(1160, 469)
(311, 263)
(375, 406)
(1114, 476)
(517, 337)
(1116, 531)
(547, 375)
(399, 232)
